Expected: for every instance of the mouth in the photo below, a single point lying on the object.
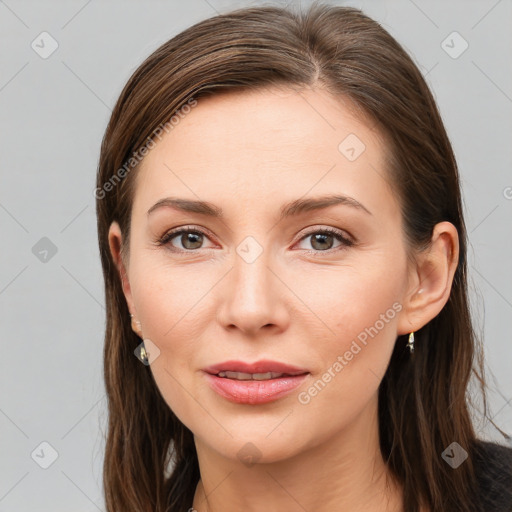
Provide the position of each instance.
(259, 370)
(254, 376)
(254, 383)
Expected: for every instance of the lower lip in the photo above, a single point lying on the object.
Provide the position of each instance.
(254, 392)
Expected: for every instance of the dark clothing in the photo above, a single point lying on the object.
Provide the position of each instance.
(493, 467)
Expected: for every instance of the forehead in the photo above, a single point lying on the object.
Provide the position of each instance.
(264, 144)
(261, 121)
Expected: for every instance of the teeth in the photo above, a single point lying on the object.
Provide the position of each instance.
(250, 376)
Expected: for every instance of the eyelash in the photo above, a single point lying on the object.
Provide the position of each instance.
(345, 242)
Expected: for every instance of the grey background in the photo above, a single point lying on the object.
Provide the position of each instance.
(53, 115)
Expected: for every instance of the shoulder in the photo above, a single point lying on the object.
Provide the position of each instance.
(493, 469)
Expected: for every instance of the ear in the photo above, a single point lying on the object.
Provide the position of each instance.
(115, 243)
(430, 280)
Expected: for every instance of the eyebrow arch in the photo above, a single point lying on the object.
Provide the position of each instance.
(288, 210)
(318, 203)
(188, 205)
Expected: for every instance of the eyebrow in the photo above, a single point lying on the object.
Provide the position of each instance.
(293, 208)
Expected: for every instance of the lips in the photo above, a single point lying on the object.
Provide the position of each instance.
(254, 383)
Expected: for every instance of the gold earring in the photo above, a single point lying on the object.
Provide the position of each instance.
(143, 354)
(410, 343)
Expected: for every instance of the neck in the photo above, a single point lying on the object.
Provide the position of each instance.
(345, 473)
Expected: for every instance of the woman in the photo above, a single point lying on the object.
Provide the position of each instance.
(283, 246)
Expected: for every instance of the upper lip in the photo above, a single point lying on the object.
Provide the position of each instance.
(262, 366)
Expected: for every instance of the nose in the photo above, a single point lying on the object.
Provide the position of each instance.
(253, 296)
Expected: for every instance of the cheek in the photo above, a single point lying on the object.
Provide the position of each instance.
(355, 359)
(167, 298)
(360, 310)
(349, 301)
(170, 304)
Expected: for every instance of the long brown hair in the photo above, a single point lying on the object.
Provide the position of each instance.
(150, 460)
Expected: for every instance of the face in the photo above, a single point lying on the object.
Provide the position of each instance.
(319, 289)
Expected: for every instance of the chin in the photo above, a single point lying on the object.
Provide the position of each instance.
(259, 443)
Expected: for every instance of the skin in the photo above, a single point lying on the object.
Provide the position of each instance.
(249, 153)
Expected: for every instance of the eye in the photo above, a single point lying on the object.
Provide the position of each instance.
(322, 240)
(189, 238)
